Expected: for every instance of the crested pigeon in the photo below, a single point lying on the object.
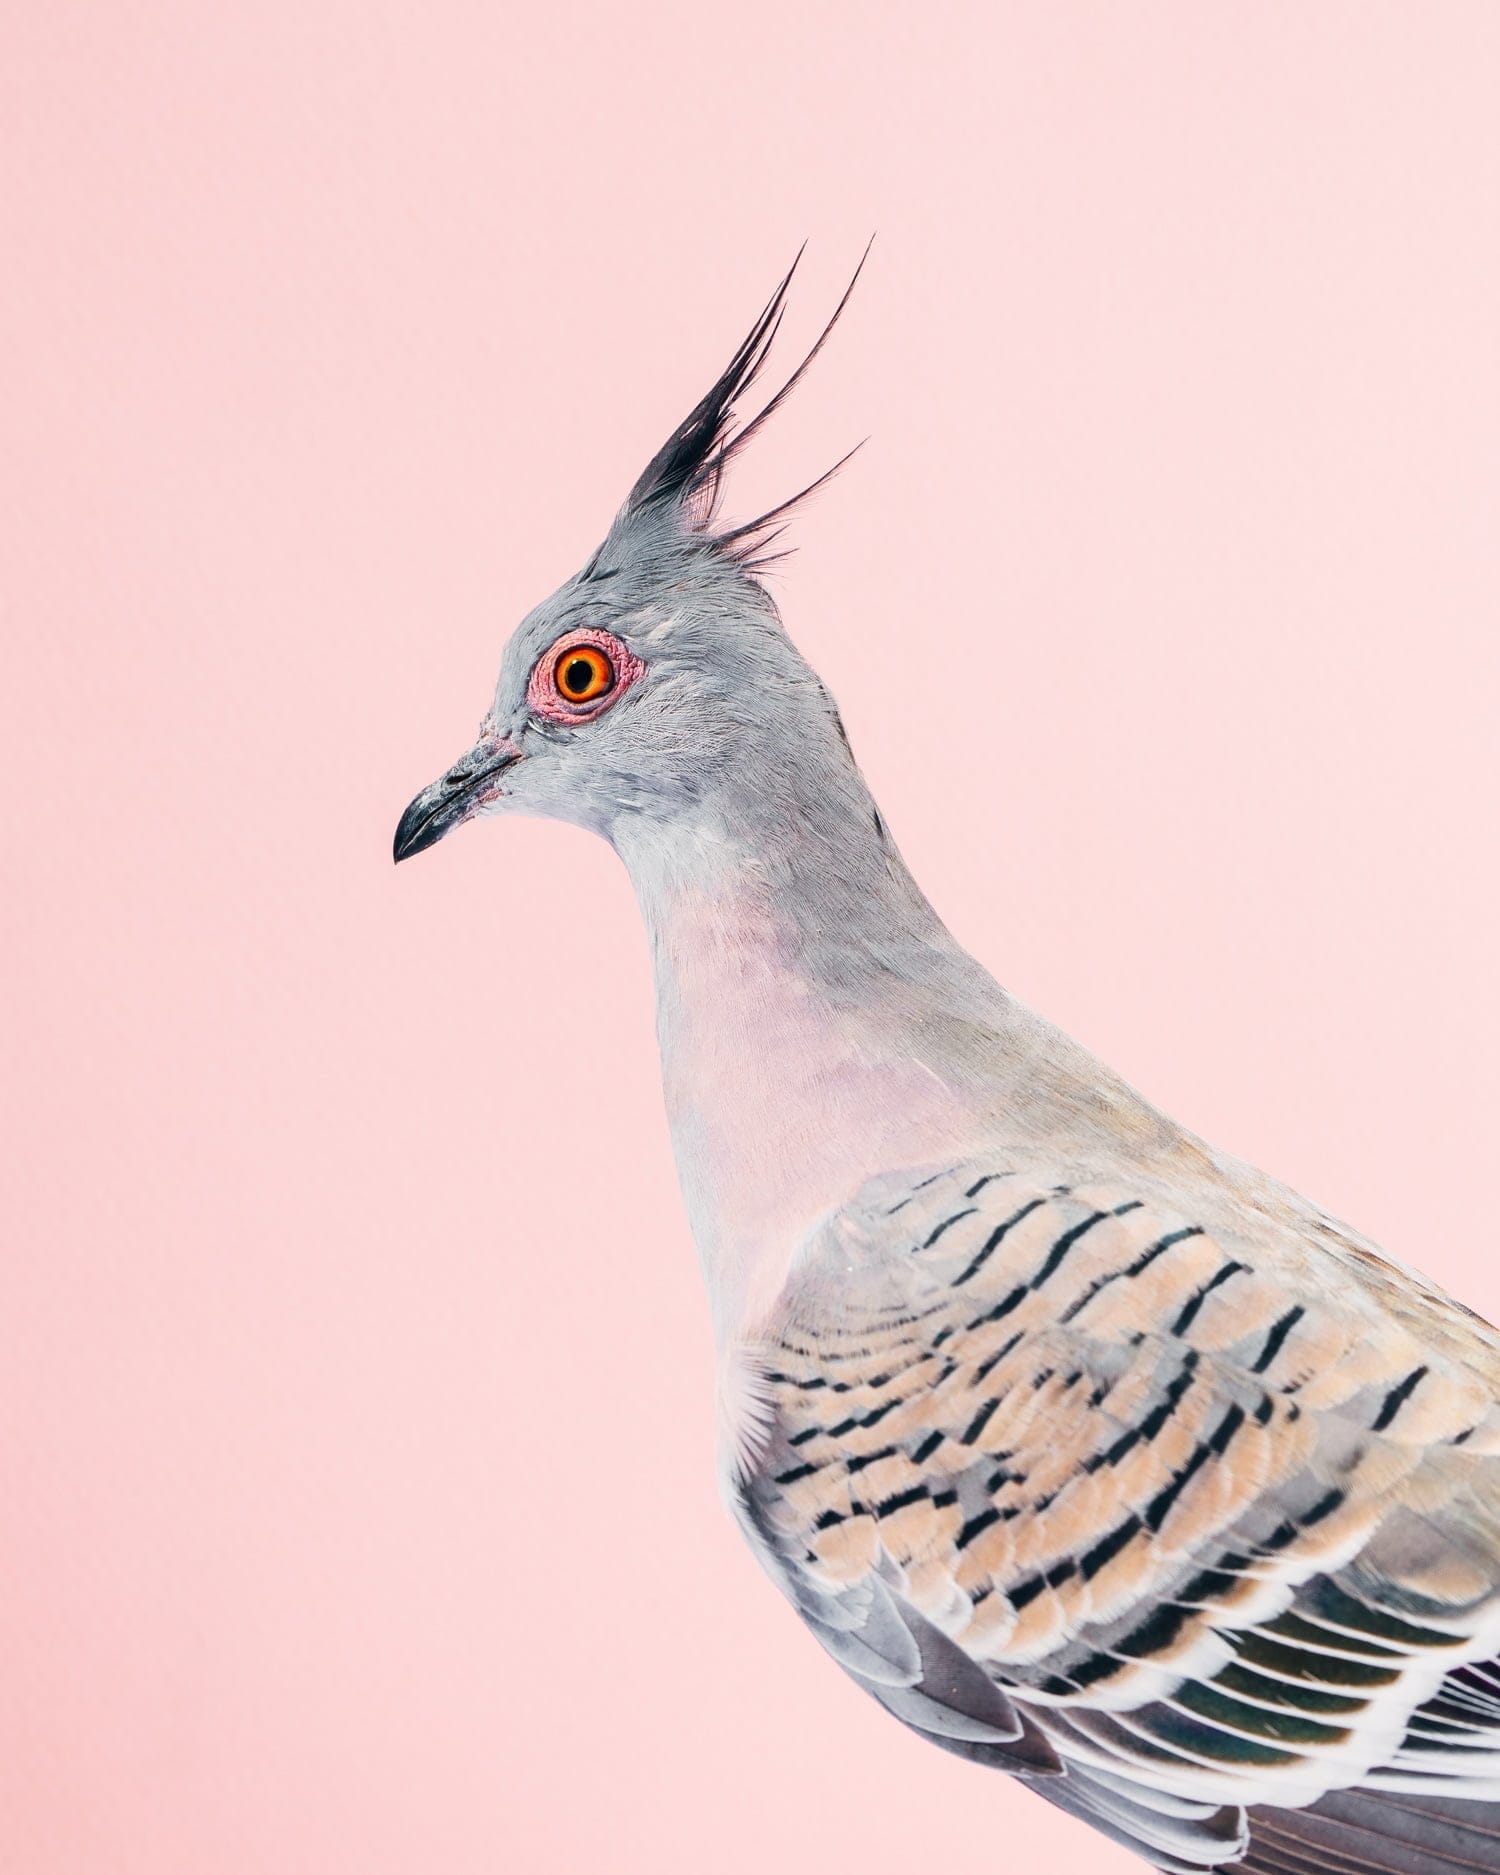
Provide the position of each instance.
(1091, 1453)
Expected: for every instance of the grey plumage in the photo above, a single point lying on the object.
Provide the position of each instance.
(1090, 1453)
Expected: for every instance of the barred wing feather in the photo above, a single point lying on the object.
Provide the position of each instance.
(1150, 1515)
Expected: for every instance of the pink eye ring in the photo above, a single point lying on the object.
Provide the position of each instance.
(580, 675)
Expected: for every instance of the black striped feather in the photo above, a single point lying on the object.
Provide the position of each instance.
(1083, 1490)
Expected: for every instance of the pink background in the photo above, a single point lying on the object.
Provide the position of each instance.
(354, 1451)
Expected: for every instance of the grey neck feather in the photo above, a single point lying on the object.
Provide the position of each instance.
(817, 1021)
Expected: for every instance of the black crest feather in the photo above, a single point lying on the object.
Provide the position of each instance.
(688, 470)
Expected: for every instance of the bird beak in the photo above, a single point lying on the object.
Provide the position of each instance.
(470, 784)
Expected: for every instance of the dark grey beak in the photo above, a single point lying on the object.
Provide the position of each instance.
(468, 785)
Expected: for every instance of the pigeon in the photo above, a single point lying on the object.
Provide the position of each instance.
(1093, 1454)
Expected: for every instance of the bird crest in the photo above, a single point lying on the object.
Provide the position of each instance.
(685, 478)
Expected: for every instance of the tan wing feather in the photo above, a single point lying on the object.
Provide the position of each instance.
(1219, 1521)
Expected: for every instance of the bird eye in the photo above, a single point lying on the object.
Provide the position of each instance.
(583, 673)
(580, 676)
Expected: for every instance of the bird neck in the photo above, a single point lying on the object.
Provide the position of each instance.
(804, 988)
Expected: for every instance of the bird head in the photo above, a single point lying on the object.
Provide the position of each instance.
(659, 676)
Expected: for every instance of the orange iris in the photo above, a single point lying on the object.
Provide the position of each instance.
(583, 673)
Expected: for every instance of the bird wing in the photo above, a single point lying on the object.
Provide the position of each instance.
(1197, 1530)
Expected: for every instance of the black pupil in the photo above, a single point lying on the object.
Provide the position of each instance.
(578, 674)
